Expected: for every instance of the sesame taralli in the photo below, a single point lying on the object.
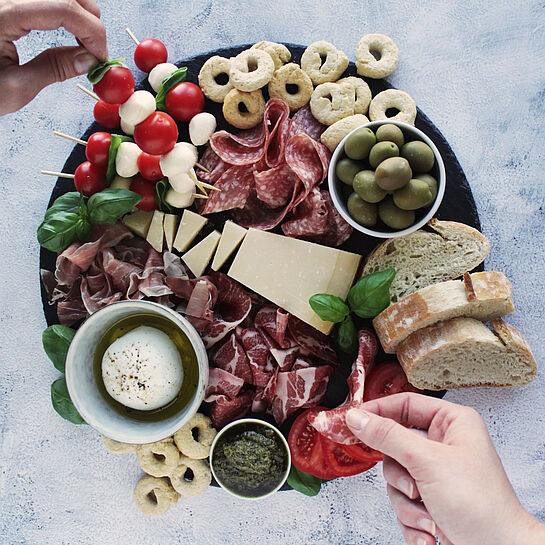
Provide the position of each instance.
(244, 110)
(251, 70)
(291, 74)
(385, 61)
(196, 445)
(153, 495)
(158, 459)
(190, 487)
(321, 71)
(336, 132)
(396, 99)
(362, 93)
(209, 75)
(279, 53)
(117, 447)
(331, 102)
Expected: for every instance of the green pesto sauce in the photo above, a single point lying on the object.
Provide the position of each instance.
(250, 460)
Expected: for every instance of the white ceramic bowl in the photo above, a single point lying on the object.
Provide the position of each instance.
(340, 203)
(250, 421)
(90, 402)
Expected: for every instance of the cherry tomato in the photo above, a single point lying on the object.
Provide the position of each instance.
(149, 167)
(157, 134)
(98, 148)
(116, 86)
(340, 462)
(306, 447)
(149, 53)
(363, 453)
(184, 101)
(107, 115)
(386, 379)
(147, 190)
(89, 178)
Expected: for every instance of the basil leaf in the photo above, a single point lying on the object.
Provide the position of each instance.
(97, 72)
(115, 142)
(59, 230)
(107, 206)
(347, 336)
(371, 294)
(56, 339)
(309, 485)
(161, 189)
(60, 399)
(69, 202)
(168, 83)
(329, 307)
(83, 229)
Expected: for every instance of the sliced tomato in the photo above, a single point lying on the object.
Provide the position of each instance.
(386, 379)
(340, 462)
(306, 448)
(363, 453)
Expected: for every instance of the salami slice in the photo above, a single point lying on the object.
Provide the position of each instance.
(338, 230)
(304, 122)
(310, 218)
(276, 124)
(244, 148)
(274, 186)
(308, 159)
(235, 185)
(211, 161)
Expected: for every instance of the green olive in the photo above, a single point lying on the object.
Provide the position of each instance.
(415, 194)
(359, 143)
(391, 133)
(393, 173)
(363, 212)
(346, 169)
(381, 151)
(419, 155)
(393, 216)
(366, 187)
(431, 181)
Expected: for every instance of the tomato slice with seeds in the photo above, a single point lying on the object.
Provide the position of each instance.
(363, 453)
(386, 379)
(340, 462)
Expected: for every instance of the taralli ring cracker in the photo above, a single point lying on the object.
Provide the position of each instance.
(211, 72)
(279, 53)
(386, 50)
(331, 102)
(158, 459)
(251, 70)
(199, 447)
(116, 447)
(291, 74)
(244, 110)
(362, 93)
(331, 69)
(336, 132)
(393, 98)
(202, 477)
(153, 496)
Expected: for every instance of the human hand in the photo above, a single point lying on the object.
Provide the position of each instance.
(19, 84)
(453, 467)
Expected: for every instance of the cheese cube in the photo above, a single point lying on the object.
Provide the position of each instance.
(199, 256)
(190, 226)
(169, 227)
(231, 237)
(138, 222)
(155, 233)
(289, 271)
(120, 183)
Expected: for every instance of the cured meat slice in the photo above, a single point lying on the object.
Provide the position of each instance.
(310, 217)
(172, 265)
(312, 340)
(152, 281)
(274, 187)
(276, 123)
(221, 382)
(244, 148)
(214, 164)
(308, 159)
(231, 357)
(226, 410)
(119, 271)
(274, 321)
(338, 230)
(202, 300)
(235, 185)
(304, 122)
(258, 355)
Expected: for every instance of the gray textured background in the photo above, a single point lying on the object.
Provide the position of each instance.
(477, 69)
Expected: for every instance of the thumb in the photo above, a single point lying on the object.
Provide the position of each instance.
(20, 84)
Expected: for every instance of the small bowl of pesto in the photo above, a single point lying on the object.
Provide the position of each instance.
(250, 459)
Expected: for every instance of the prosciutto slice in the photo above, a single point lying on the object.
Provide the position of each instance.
(225, 410)
(231, 357)
(222, 383)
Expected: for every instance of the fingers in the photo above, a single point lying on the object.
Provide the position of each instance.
(398, 477)
(90, 6)
(416, 537)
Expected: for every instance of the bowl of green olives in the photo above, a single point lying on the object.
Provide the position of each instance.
(386, 178)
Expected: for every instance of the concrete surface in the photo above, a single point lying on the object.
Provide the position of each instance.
(477, 69)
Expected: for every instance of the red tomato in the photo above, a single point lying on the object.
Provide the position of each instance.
(89, 178)
(306, 448)
(116, 86)
(149, 167)
(363, 453)
(157, 134)
(98, 148)
(184, 101)
(386, 379)
(340, 462)
(107, 115)
(147, 190)
(149, 53)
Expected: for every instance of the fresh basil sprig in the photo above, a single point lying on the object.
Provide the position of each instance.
(56, 340)
(168, 83)
(69, 202)
(371, 294)
(107, 206)
(161, 188)
(60, 398)
(115, 142)
(330, 308)
(59, 230)
(97, 72)
(347, 336)
(309, 485)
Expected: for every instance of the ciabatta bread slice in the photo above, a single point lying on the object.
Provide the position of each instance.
(464, 353)
(483, 296)
(422, 258)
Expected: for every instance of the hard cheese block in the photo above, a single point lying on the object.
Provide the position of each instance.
(231, 237)
(169, 226)
(138, 222)
(199, 256)
(155, 232)
(190, 226)
(288, 271)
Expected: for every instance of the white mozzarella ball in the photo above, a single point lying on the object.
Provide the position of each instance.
(179, 200)
(126, 161)
(179, 159)
(182, 183)
(201, 128)
(191, 147)
(139, 105)
(127, 128)
(159, 73)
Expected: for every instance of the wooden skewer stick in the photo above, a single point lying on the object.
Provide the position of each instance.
(85, 90)
(57, 174)
(131, 34)
(198, 165)
(198, 196)
(68, 137)
(200, 184)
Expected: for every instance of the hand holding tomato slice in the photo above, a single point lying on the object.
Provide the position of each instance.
(386, 379)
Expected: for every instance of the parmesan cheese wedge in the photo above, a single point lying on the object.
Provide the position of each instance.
(170, 223)
(288, 271)
(231, 237)
(190, 226)
(155, 233)
(138, 222)
(199, 256)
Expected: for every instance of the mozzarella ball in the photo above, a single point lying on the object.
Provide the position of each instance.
(192, 148)
(126, 160)
(159, 73)
(179, 200)
(180, 159)
(139, 105)
(201, 128)
(127, 128)
(120, 183)
(182, 183)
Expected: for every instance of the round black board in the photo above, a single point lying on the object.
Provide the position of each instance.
(458, 203)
